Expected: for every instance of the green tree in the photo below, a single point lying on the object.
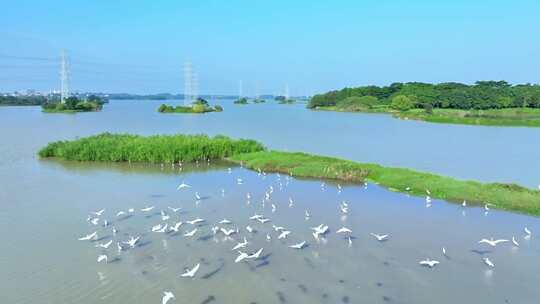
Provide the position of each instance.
(402, 103)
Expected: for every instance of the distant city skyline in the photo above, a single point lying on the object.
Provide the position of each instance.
(306, 46)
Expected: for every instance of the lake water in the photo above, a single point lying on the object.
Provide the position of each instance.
(45, 204)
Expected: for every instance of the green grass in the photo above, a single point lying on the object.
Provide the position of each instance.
(525, 117)
(251, 154)
(503, 196)
(152, 149)
(513, 117)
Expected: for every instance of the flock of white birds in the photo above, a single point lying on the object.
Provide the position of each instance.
(233, 233)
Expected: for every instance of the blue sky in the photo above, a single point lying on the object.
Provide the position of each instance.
(312, 46)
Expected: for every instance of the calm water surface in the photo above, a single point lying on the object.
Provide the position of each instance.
(44, 206)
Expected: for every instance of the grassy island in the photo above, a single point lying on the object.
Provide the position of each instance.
(241, 101)
(151, 149)
(200, 106)
(491, 103)
(74, 105)
(259, 100)
(253, 155)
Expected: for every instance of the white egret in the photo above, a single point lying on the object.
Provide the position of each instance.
(191, 273)
(256, 255)
(283, 234)
(167, 295)
(225, 221)
(132, 241)
(227, 232)
(429, 263)
(492, 242)
(195, 221)
(99, 213)
(488, 262)
(105, 245)
(102, 257)
(182, 186)
(147, 209)
(380, 237)
(515, 242)
(299, 245)
(191, 233)
(241, 256)
(240, 245)
(120, 213)
(344, 230)
(89, 236)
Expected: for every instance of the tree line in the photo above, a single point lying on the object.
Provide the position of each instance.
(451, 95)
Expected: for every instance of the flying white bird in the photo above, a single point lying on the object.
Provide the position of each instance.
(464, 204)
(350, 241)
(227, 232)
(268, 237)
(197, 196)
(306, 213)
(119, 247)
(106, 245)
(429, 263)
(319, 230)
(195, 221)
(273, 208)
(283, 234)
(256, 255)
(182, 186)
(163, 229)
(291, 203)
(239, 181)
(147, 209)
(120, 213)
(132, 241)
(277, 228)
(191, 273)
(249, 229)
(444, 251)
(225, 221)
(492, 242)
(344, 230)
(488, 262)
(176, 226)
(240, 245)
(156, 228)
(256, 217)
(94, 221)
(344, 209)
(175, 209)
(191, 233)
(99, 213)
(241, 256)
(102, 258)
(131, 210)
(114, 231)
(527, 231)
(167, 295)
(515, 242)
(380, 237)
(89, 236)
(299, 245)
(263, 220)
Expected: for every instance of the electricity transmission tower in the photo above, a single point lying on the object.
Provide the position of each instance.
(190, 84)
(64, 77)
(240, 89)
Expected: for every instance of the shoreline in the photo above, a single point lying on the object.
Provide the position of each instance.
(450, 116)
(253, 155)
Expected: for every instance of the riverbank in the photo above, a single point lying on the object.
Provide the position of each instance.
(511, 117)
(253, 155)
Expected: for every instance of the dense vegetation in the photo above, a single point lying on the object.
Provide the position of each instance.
(241, 101)
(503, 196)
(174, 148)
(22, 100)
(152, 149)
(404, 96)
(73, 104)
(197, 107)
